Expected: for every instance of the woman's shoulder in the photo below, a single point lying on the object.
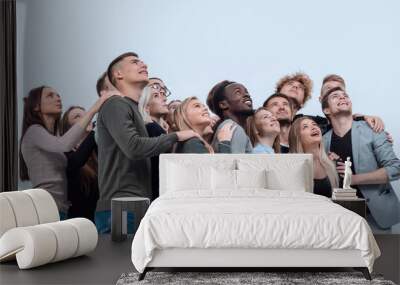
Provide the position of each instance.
(192, 145)
(193, 141)
(32, 136)
(154, 129)
(36, 127)
(34, 130)
(260, 148)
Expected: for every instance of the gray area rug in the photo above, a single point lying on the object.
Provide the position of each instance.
(225, 278)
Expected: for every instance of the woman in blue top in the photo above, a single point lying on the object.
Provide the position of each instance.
(263, 130)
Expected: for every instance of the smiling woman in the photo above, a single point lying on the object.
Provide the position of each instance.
(42, 159)
(194, 115)
(263, 129)
(305, 137)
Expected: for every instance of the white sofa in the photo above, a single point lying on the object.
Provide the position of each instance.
(31, 231)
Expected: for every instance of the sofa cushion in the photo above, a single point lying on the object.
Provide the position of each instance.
(45, 206)
(40, 244)
(23, 208)
(26, 208)
(7, 218)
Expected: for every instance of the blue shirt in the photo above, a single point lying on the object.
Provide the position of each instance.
(262, 148)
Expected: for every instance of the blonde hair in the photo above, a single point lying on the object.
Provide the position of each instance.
(251, 130)
(296, 146)
(144, 101)
(182, 121)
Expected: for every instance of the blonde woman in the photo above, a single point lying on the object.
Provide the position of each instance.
(305, 137)
(263, 130)
(194, 115)
(153, 108)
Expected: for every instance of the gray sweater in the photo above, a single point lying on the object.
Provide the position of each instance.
(240, 142)
(125, 150)
(44, 156)
(195, 145)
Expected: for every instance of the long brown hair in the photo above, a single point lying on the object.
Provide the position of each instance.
(182, 122)
(296, 146)
(251, 130)
(33, 116)
(89, 170)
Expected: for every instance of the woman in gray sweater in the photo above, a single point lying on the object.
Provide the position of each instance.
(42, 159)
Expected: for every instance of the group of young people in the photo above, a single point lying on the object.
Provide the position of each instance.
(84, 166)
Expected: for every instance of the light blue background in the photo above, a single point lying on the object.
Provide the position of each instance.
(194, 44)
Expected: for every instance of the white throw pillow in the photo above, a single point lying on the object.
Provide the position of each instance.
(232, 180)
(223, 179)
(295, 180)
(188, 177)
(285, 173)
(251, 179)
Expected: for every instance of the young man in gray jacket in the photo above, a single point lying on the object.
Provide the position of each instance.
(124, 146)
(374, 162)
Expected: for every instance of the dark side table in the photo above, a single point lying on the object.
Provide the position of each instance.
(119, 211)
(357, 206)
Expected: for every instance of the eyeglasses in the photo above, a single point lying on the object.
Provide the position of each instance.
(159, 88)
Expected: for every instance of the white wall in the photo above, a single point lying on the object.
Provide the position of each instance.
(194, 44)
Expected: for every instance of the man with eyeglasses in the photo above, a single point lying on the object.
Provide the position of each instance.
(158, 85)
(374, 162)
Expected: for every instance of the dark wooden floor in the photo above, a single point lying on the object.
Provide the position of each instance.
(103, 266)
(110, 259)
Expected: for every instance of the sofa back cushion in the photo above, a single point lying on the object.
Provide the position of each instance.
(26, 208)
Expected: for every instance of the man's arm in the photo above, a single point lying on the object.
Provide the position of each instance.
(78, 158)
(118, 118)
(374, 122)
(378, 176)
(387, 160)
(386, 156)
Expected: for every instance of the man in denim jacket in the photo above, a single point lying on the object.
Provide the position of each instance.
(374, 162)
